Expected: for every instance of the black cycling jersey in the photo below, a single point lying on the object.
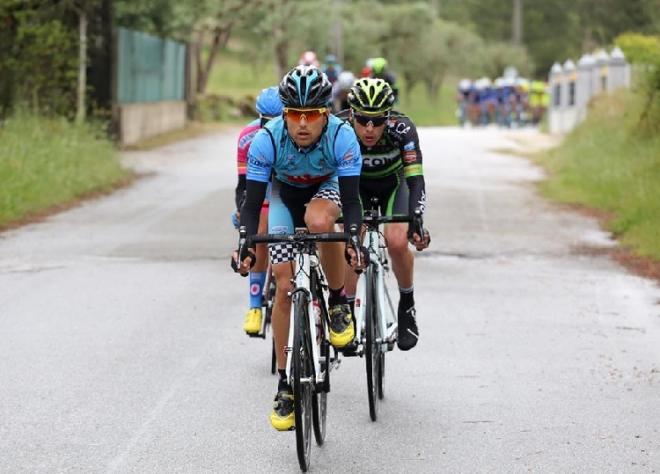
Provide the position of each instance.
(398, 149)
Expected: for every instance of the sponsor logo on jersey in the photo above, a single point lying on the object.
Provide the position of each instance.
(409, 146)
(246, 139)
(279, 229)
(307, 179)
(409, 157)
(258, 162)
(422, 202)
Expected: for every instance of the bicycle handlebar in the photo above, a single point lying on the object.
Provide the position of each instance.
(371, 220)
(300, 237)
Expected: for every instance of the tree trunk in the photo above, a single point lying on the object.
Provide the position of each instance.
(282, 57)
(280, 41)
(411, 81)
(198, 59)
(220, 38)
(517, 23)
(81, 111)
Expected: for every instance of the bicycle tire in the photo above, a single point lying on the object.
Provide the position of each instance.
(302, 368)
(371, 347)
(320, 396)
(273, 358)
(268, 300)
(381, 375)
(320, 408)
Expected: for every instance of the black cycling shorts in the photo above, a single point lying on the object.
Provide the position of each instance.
(391, 191)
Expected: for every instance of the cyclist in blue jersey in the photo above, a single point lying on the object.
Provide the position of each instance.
(315, 162)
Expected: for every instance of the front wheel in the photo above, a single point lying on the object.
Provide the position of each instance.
(372, 352)
(302, 373)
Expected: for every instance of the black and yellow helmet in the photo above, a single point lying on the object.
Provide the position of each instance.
(371, 96)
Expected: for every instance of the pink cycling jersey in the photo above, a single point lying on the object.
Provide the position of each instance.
(244, 141)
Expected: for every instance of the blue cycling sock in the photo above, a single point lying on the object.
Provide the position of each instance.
(257, 280)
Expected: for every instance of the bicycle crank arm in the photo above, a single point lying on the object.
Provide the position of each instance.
(390, 332)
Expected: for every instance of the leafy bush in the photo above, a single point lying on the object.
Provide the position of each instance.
(639, 49)
(39, 67)
(644, 51)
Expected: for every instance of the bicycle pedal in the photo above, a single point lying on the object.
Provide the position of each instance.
(350, 350)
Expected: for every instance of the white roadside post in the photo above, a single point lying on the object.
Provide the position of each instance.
(599, 79)
(618, 71)
(585, 67)
(555, 110)
(569, 117)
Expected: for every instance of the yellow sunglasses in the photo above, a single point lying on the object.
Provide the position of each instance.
(311, 115)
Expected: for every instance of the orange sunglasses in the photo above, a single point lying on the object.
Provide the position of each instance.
(311, 115)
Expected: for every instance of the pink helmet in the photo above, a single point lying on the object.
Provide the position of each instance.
(308, 58)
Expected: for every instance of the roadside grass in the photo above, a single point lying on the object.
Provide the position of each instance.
(46, 163)
(606, 164)
(232, 77)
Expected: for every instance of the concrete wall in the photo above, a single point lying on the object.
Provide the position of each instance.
(143, 120)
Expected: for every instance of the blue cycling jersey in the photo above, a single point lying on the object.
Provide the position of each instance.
(337, 153)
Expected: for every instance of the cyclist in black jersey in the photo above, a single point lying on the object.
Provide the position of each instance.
(392, 172)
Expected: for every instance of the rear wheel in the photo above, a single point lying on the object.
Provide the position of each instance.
(372, 353)
(381, 375)
(268, 299)
(320, 397)
(273, 360)
(302, 372)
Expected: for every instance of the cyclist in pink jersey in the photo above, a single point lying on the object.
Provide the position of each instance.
(269, 106)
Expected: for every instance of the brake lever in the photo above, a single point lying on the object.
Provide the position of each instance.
(242, 242)
(418, 224)
(355, 243)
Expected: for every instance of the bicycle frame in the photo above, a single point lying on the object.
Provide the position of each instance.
(386, 314)
(306, 264)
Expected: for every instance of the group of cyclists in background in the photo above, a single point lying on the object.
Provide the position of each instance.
(509, 101)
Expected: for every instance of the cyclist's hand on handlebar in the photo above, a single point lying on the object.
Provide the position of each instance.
(244, 257)
(356, 255)
(419, 242)
(352, 258)
(417, 234)
(243, 266)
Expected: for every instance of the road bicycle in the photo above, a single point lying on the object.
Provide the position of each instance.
(375, 316)
(311, 358)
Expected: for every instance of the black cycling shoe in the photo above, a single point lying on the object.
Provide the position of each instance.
(408, 334)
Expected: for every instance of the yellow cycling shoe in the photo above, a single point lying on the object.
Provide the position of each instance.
(282, 417)
(252, 323)
(342, 331)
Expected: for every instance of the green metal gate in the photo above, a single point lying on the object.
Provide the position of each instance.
(149, 69)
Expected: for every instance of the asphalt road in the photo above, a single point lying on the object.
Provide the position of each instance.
(122, 351)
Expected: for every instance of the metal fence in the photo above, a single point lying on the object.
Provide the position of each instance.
(149, 69)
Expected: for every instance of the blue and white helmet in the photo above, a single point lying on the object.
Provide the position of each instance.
(269, 103)
(305, 87)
